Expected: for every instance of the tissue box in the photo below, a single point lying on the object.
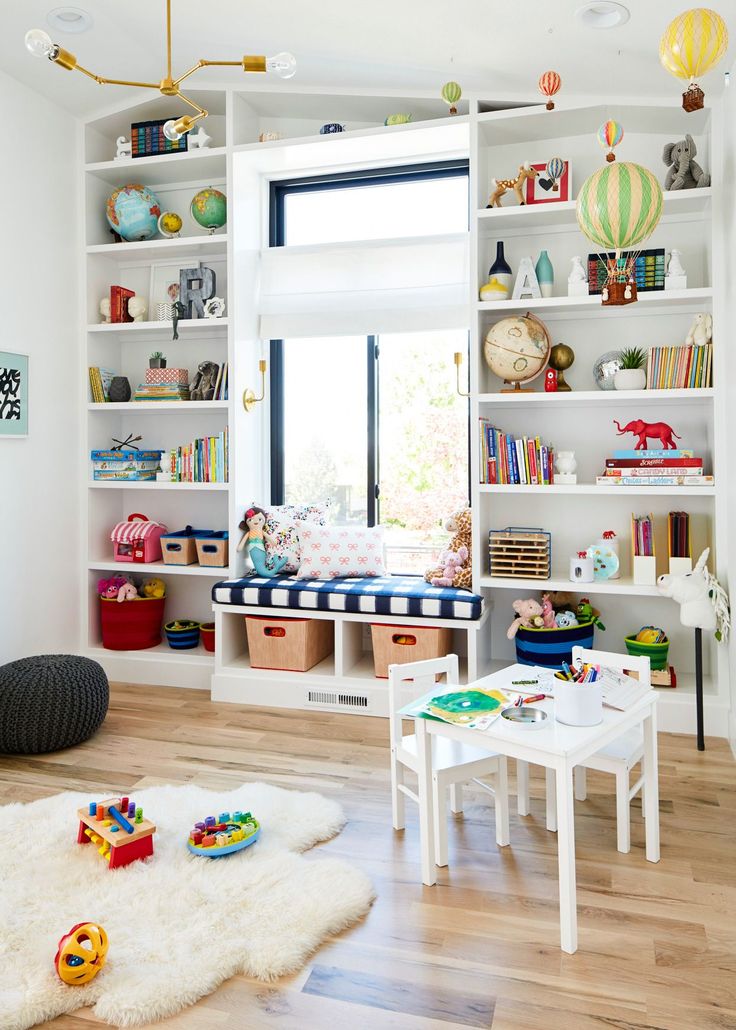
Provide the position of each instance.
(179, 376)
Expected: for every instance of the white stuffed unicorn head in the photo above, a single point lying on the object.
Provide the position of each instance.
(703, 601)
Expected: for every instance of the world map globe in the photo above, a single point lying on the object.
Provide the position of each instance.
(132, 212)
(517, 349)
(209, 208)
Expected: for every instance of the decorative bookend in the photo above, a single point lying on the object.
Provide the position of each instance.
(527, 284)
(196, 285)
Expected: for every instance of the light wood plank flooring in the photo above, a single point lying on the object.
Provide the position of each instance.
(480, 949)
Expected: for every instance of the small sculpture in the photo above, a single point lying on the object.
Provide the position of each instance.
(577, 281)
(269, 137)
(254, 540)
(124, 148)
(701, 331)
(565, 463)
(683, 173)
(105, 310)
(203, 386)
(550, 381)
(137, 308)
(703, 601)
(199, 139)
(656, 430)
(499, 187)
(674, 266)
(178, 311)
(561, 358)
(676, 278)
(214, 307)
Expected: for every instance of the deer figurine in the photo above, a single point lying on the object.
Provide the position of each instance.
(501, 186)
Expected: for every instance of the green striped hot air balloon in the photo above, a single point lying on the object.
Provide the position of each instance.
(619, 206)
(451, 93)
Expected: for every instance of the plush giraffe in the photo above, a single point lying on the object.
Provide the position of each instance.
(461, 525)
(501, 186)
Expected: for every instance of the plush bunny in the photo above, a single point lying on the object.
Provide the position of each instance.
(453, 562)
(127, 592)
(701, 331)
(529, 614)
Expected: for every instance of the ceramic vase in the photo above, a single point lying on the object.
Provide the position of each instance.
(500, 270)
(545, 274)
(565, 463)
(630, 379)
(119, 389)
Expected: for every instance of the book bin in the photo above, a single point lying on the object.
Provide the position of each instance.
(289, 645)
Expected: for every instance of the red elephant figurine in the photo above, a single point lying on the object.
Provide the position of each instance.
(656, 430)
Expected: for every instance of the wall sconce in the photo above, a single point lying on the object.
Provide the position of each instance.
(249, 398)
(458, 363)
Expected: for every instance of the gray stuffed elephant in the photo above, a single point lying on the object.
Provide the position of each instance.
(683, 172)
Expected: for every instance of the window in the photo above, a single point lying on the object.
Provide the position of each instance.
(373, 423)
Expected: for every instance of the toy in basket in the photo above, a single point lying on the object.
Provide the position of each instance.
(216, 837)
(545, 633)
(118, 830)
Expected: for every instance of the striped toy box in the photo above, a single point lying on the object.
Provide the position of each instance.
(551, 647)
(178, 376)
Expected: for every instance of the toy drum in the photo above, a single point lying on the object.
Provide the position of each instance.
(551, 647)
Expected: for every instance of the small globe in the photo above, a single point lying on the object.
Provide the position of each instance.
(209, 208)
(605, 369)
(516, 349)
(169, 224)
(132, 212)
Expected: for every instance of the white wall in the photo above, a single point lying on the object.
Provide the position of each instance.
(39, 476)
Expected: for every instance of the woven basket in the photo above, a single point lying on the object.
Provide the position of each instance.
(551, 647)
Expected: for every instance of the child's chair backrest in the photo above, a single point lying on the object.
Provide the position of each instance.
(620, 662)
(412, 679)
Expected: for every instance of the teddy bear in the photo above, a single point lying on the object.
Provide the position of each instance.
(461, 525)
(453, 562)
(561, 600)
(154, 588)
(529, 614)
(548, 612)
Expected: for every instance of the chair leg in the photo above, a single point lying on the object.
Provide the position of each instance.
(501, 802)
(551, 789)
(522, 787)
(581, 782)
(623, 830)
(440, 821)
(456, 798)
(398, 800)
(643, 805)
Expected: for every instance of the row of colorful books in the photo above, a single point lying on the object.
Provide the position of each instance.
(648, 270)
(162, 392)
(99, 382)
(205, 460)
(513, 460)
(642, 535)
(654, 468)
(680, 368)
(147, 139)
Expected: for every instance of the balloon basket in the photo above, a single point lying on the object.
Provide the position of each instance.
(693, 98)
(617, 294)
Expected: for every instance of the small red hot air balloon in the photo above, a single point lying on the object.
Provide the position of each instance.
(549, 84)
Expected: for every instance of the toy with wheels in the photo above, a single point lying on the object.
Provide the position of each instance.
(220, 836)
(81, 953)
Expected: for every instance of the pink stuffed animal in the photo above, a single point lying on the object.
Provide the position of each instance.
(108, 588)
(548, 612)
(127, 592)
(451, 562)
(529, 616)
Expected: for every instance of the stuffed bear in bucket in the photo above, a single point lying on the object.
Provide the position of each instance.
(546, 631)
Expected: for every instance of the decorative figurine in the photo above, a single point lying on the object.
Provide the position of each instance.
(169, 224)
(196, 285)
(577, 282)
(124, 148)
(565, 468)
(683, 173)
(137, 309)
(204, 382)
(644, 430)
(499, 187)
(555, 170)
(561, 358)
(199, 139)
(254, 540)
(178, 311)
(610, 134)
(701, 331)
(451, 93)
(527, 284)
(549, 85)
(269, 137)
(550, 381)
(214, 307)
(676, 277)
(105, 310)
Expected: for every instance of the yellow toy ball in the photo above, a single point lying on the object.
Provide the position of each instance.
(81, 953)
(649, 635)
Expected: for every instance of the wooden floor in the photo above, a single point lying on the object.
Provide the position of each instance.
(480, 949)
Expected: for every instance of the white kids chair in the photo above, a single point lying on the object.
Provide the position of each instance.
(619, 757)
(453, 763)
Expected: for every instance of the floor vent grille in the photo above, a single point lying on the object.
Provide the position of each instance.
(332, 697)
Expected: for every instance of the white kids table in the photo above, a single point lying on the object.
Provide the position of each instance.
(556, 747)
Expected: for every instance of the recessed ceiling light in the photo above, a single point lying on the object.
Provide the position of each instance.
(602, 14)
(69, 19)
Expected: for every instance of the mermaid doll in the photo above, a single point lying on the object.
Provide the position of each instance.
(254, 540)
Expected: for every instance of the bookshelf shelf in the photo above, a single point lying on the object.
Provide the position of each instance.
(584, 398)
(187, 325)
(104, 484)
(165, 407)
(193, 166)
(654, 302)
(591, 489)
(182, 246)
(157, 568)
(558, 581)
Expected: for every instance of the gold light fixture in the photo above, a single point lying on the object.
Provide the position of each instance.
(39, 43)
(249, 398)
(458, 362)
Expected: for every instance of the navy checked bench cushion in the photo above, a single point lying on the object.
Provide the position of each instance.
(380, 595)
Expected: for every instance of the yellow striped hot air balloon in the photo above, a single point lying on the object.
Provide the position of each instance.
(451, 93)
(692, 44)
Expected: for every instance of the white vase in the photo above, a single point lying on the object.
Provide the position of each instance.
(630, 379)
(565, 463)
(581, 570)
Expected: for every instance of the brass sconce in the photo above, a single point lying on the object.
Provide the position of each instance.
(458, 363)
(249, 398)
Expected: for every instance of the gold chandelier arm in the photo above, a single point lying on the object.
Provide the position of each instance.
(195, 68)
(201, 113)
(115, 82)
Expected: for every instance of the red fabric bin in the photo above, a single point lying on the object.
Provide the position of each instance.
(131, 625)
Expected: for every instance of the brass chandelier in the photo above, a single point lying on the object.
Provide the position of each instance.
(39, 43)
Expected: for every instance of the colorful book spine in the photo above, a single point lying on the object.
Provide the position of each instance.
(654, 480)
(655, 453)
(676, 470)
(653, 463)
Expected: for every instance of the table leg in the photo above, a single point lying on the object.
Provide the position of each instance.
(426, 813)
(651, 786)
(522, 787)
(549, 789)
(566, 860)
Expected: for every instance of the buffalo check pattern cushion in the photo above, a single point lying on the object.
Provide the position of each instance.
(332, 551)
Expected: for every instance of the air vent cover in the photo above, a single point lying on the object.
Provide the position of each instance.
(336, 700)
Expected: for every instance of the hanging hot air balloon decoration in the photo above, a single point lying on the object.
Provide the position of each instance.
(692, 44)
(549, 85)
(618, 207)
(555, 170)
(451, 93)
(610, 135)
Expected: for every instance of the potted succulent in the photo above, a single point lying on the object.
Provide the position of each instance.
(157, 360)
(632, 374)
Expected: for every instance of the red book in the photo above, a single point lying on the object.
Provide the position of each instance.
(646, 463)
(119, 297)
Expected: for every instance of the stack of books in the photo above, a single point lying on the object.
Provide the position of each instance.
(654, 468)
(205, 460)
(99, 382)
(513, 460)
(680, 368)
(161, 392)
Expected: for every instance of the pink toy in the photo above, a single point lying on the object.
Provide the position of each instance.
(451, 562)
(548, 612)
(529, 616)
(109, 588)
(127, 592)
(137, 539)
(550, 381)
(656, 430)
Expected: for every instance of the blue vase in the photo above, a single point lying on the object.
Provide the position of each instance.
(545, 274)
(501, 269)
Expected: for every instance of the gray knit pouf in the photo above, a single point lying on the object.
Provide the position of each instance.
(49, 702)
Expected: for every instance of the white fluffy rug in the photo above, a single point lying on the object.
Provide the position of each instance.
(178, 924)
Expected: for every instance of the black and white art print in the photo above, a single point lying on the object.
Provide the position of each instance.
(13, 394)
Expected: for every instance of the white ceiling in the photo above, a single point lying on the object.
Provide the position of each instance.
(484, 44)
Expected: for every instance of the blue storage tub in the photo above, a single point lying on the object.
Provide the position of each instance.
(551, 647)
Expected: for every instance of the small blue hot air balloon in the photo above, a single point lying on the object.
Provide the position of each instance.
(555, 171)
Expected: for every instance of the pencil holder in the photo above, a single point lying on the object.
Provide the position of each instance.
(578, 704)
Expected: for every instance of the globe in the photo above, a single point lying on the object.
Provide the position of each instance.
(605, 369)
(209, 208)
(132, 212)
(169, 224)
(517, 349)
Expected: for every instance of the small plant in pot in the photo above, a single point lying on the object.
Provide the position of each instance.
(632, 373)
(157, 360)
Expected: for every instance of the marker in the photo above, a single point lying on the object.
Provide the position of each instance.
(528, 700)
(567, 671)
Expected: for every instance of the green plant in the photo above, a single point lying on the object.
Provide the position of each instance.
(156, 356)
(633, 357)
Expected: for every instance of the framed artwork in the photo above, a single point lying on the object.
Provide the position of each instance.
(13, 394)
(546, 190)
(164, 290)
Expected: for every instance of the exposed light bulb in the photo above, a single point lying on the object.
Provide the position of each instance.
(283, 65)
(39, 44)
(170, 131)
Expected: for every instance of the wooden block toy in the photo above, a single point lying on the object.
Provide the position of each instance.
(123, 804)
(131, 809)
(139, 815)
(117, 848)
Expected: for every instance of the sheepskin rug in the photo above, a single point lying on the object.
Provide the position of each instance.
(178, 925)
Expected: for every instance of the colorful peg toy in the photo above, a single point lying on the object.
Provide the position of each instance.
(223, 835)
(117, 829)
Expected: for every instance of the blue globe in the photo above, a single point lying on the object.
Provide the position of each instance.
(133, 212)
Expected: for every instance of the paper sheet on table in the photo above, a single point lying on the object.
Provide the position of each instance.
(472, 707)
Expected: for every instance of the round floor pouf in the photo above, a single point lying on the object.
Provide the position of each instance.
(49, 702)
